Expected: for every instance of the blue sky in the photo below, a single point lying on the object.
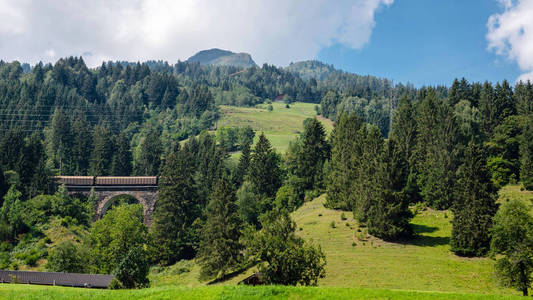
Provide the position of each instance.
(428, 42)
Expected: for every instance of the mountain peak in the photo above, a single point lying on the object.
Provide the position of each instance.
(219, 57)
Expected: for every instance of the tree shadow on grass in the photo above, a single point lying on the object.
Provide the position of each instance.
(426, 241)
(233, 274)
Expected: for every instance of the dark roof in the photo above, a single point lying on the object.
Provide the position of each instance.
(54, 278)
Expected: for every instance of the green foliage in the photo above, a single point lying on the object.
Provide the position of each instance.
(242, 166)
(474, 205)
(512, 241)
(102, 154)
(310, 152)
(436, 151)
(173, 235)
(286, 198)
(114, 236)
(220, 249)
(526, 155)
(121, 165)
(265, 172)
(132, 270)
(249, 203)
(65, 257)
(149, 159)
(287, 258)
(345, 159)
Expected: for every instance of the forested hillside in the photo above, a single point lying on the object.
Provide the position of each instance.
(393, 151)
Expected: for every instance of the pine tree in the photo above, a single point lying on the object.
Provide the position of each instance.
(368, 184)
(474, 205)
(122, 158)
(101, 155)
(62, 141)
(265, 172)
(345, 159)
(4, 186)
(149, 159)
(388, 212)
(314, 151)
(82, 145)
(173, 235)
(404, 136)
(436, 151)
(242, 167)
(526, 154)
(220, 250)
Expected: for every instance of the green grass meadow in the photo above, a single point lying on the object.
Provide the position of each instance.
(281, 125)
(19, 291)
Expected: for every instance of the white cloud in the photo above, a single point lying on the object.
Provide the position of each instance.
(273, 31)
(511, 34)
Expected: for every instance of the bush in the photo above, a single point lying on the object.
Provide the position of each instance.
(115, 284)
(65, 258)
(343, 217)
(132, 271)
(332, 224)
(270, 107)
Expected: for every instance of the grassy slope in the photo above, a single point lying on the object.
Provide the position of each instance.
(14, 291)
(424, 263)
(281, 125)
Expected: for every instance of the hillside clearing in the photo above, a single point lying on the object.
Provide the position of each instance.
(281, 126)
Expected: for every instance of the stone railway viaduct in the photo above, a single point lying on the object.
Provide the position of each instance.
(143, 188)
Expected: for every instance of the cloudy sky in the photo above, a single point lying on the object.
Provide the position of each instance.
(424, 42)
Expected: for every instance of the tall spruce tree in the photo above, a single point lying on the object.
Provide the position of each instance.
(220, 249)
(404, 136)
(242, 167)
(368, 183)
(174, 237)
(474, 205)
(122, 158)
(82, 145)
(313, 151)
(388, 212)
(265, 172)
(345, 159)
(149, 159)
(436, 151)
(102, 154)
(526, 154)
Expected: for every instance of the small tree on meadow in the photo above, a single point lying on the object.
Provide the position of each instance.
(512, 245)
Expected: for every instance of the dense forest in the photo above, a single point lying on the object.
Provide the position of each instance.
(394, 147)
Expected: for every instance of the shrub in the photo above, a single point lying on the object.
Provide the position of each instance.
(343, 217)
(332, 224)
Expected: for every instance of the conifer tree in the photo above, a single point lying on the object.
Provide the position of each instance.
(220, 250)
(526, 154)
(264, 172)
(174, 237)
(404, 136)
(82, 146)
(474, 205)
(436, 151)
(345, 158)
(314, 150)
(388, 212)
(242, 167)
(101, 155)
(122, 158)
(150, 156)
